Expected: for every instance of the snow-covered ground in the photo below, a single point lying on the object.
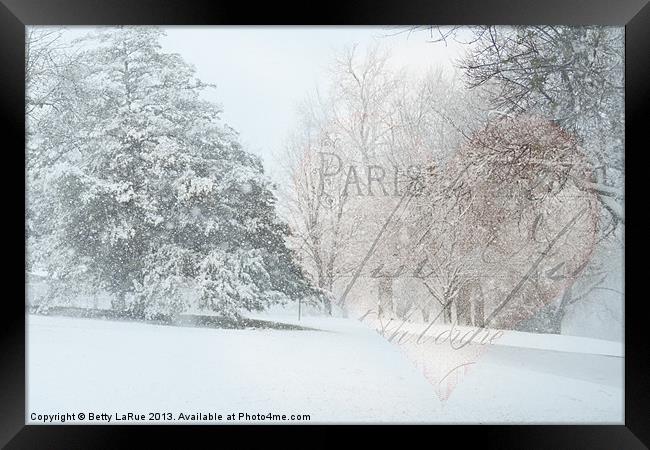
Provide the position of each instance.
(340, 371)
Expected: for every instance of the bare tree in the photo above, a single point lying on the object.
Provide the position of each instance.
(538, 229)
(572, 75)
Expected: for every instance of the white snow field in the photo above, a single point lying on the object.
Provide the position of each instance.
(342, 371)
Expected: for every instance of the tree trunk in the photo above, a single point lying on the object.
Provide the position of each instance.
(328, 306)
(555, 325)
(118, 302)
(385, 297)
(326, 284)
(463, 305)
(447, 312)
(425, 314)
(479, 308)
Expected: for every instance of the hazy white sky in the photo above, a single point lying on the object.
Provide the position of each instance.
(262, 73)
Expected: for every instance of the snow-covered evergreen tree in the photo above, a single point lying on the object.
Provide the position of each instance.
(152, 193)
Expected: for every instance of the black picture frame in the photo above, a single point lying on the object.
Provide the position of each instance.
(15, 14)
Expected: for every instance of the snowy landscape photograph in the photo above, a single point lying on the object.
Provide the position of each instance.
(324, 225)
